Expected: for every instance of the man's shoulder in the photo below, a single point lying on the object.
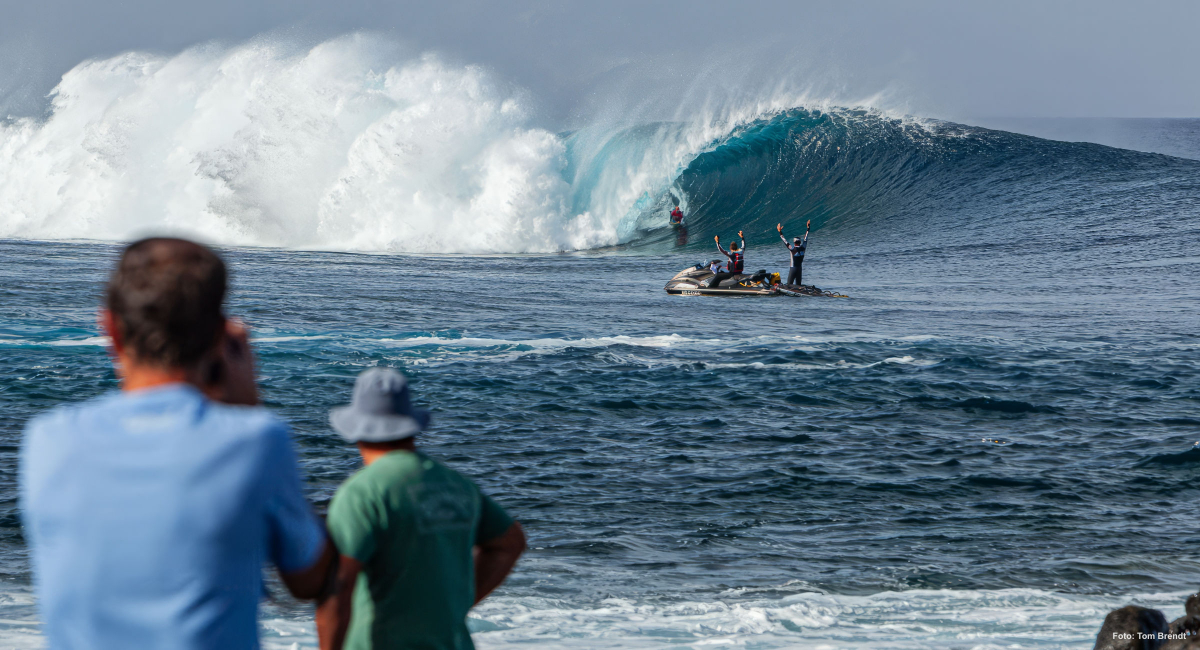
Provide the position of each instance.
(402, 471)
(255, 421)
(120, 410)
(67, 417)
(390, 470)
(72, 409)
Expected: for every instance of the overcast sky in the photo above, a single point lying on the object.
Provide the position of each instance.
(934, 58)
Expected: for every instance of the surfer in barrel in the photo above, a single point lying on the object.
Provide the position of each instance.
(796, 248)
(676, 217)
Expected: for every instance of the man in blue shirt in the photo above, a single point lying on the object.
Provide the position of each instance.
(150, 512)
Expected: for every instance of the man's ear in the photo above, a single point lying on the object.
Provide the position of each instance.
(108, 327)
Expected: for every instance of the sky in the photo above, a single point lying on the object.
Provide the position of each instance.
(953, 60)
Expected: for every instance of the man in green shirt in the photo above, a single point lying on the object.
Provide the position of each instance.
(419, 543)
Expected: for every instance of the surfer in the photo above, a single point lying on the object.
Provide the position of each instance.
(796, 248)
(676, 217)
(737, 259)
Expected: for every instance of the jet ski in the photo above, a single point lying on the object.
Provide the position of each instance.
(697, 281)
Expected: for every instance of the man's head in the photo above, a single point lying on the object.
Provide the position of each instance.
(164, 301)
(380, 415)
(796, 240)
(734, 246)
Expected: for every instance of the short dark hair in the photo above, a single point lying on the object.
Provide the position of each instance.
(166, 297)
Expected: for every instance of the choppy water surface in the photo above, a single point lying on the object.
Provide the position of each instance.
(989, 444)
(979, 448)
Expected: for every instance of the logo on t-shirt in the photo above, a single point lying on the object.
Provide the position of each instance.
(442, 507)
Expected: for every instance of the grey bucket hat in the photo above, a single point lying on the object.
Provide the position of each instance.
(380, 409)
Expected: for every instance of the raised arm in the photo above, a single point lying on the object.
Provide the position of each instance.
(717, 238)
(743, 240)
(779, 227)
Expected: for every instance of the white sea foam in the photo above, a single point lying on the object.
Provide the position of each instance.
(909, 361)
(919, 619)
(348, 145)
(443, 349)
(481, 349)
(552, 344)
(908, 620)
(287, 339)
(1014, 618)
(502, 349)
(97, 341)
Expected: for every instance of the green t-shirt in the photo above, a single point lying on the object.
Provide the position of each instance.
(412, 522)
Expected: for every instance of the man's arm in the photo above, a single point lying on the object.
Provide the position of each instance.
(236, 386)
(333, 610)
(721, 248)
(298, 543)
(314, 581)
(495, 558)
(229, 375)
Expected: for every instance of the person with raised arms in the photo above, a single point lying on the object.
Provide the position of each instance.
(737, 259)
(796, 248)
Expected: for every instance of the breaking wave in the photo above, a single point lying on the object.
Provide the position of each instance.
(350, 145)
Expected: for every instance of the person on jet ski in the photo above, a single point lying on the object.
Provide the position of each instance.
(736, 253)
(677, 217)
(737, 259)
(796, 248)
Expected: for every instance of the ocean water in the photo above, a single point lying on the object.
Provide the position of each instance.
(1179, 137)
(988, 444)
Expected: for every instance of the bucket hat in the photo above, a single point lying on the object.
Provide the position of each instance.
(380, 409)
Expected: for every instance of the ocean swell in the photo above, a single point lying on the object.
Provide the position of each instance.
(350, 145)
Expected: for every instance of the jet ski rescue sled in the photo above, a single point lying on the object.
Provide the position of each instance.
(698, 281)
(807, 290)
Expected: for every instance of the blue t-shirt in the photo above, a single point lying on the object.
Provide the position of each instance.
(150, 515)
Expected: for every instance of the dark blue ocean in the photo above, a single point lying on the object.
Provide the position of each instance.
(988, 444)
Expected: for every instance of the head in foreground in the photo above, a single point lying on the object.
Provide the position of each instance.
(380, 417)
(163, 314)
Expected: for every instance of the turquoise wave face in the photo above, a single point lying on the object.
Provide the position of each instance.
(861, 175)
